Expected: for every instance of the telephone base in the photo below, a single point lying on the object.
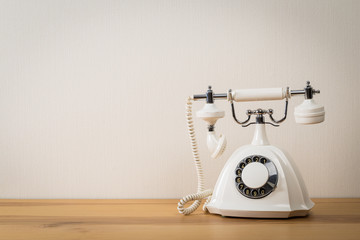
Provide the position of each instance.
(283, 195)
(259, 214)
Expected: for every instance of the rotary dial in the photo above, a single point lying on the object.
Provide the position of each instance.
(256, 176)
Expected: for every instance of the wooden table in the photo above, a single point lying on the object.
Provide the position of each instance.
(159, 219)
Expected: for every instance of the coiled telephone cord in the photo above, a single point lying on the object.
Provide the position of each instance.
(201, 193)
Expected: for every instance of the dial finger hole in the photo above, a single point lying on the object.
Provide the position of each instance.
(254, 193)
(241, 186)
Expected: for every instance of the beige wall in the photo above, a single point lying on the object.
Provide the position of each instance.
(92, 93)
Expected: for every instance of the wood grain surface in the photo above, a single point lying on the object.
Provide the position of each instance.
(159, 219)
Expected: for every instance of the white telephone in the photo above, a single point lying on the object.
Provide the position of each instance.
(258, 180)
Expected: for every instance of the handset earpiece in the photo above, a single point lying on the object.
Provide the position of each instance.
(309, 112)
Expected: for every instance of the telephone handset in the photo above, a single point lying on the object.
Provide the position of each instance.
(259, 180)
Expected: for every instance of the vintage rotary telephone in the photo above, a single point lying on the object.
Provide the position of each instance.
(259, 180)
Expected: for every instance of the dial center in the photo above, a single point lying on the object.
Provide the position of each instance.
(255, 175)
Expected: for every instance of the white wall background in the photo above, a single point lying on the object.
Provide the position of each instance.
(92, 93)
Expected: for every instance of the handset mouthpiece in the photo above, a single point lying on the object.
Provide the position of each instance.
(216, 145)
